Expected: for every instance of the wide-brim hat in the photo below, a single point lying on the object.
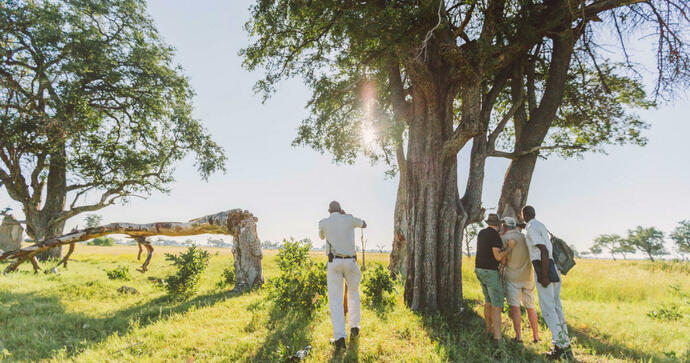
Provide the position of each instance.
(493, 220)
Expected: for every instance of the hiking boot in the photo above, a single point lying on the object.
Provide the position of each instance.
(568, 354)
(555, 353)
(558, 353)
(354, 332)
(339, 344)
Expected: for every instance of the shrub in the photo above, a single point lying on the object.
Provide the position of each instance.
(101, 241)
(301, 283)
(190, 264)
(377, 284)
(227, 277)
(119, 273)
(665, 313)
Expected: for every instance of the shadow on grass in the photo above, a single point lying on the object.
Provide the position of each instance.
(289, 331)
(602, 344)
(38, 326)
(349, 355)
(462, 338)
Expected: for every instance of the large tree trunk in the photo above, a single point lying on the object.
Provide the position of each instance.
(43, 223)
(398, 258)
(516, 186)
(43, 231)
(246, 249)
(434, 250)
(530, 134)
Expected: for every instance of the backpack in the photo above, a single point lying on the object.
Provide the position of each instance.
(563, 255)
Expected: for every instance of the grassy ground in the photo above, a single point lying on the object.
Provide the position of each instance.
(78, 315)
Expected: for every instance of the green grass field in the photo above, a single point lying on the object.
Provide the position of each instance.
(78, 315)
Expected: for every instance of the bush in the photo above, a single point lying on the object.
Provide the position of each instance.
(301, 283)
(101, 241)
(119, 273)
(228, 277)
(190, 264)
(377, 284)
(666, 313)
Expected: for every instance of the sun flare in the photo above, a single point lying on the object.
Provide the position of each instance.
(368, 136)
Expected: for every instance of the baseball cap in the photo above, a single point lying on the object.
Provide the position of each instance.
(509, 221)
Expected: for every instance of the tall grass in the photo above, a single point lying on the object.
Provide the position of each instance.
(78, 315)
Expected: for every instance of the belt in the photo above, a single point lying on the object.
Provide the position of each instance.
(355, 257)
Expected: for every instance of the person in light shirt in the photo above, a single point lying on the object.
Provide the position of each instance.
(339, 231)
(549, 283)
(519, 279)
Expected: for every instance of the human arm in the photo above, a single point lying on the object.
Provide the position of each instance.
(358, 223)
(322, 235)
(500, 254)
(509, 243)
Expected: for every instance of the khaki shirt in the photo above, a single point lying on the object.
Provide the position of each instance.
(518, 270)
(339, 231)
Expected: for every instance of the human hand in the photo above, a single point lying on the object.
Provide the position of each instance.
(545, 281)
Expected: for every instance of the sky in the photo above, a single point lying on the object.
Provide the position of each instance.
(288, 188)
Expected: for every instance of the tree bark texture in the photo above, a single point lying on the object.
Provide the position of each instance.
(44, 224)
(236, 222)
(531, 132)
(398, 257)
(11, 233)
(434, 252)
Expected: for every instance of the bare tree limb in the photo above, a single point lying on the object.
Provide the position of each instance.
(239, 223)
(536, 149)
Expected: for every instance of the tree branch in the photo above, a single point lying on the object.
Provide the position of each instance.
(514, 155)
(230, 222)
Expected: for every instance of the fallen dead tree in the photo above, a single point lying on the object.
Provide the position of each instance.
(238, 223)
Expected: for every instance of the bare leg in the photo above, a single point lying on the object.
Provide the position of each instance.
(533, 322)
(517, 319)
(488, 317)
(496, 321)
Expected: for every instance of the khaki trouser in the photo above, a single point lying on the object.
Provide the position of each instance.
(347, 269)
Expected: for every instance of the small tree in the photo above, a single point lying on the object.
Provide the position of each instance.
(609, 242)
(190, 264)
(681, 237)
(624, 247)
(93, 220)
(648, 240)
(470, 234)
(595, 249)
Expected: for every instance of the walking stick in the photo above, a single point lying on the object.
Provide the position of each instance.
(364, 247)
(345, 300)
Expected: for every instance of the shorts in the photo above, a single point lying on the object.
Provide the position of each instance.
(491, 286)
(516, 294)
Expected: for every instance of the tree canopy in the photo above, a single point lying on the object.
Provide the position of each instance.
(681, 237)
(649, 241)
(91, 102)
(514, 77)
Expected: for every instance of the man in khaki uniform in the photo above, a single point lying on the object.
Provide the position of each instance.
(339, 232)
(519, 278)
